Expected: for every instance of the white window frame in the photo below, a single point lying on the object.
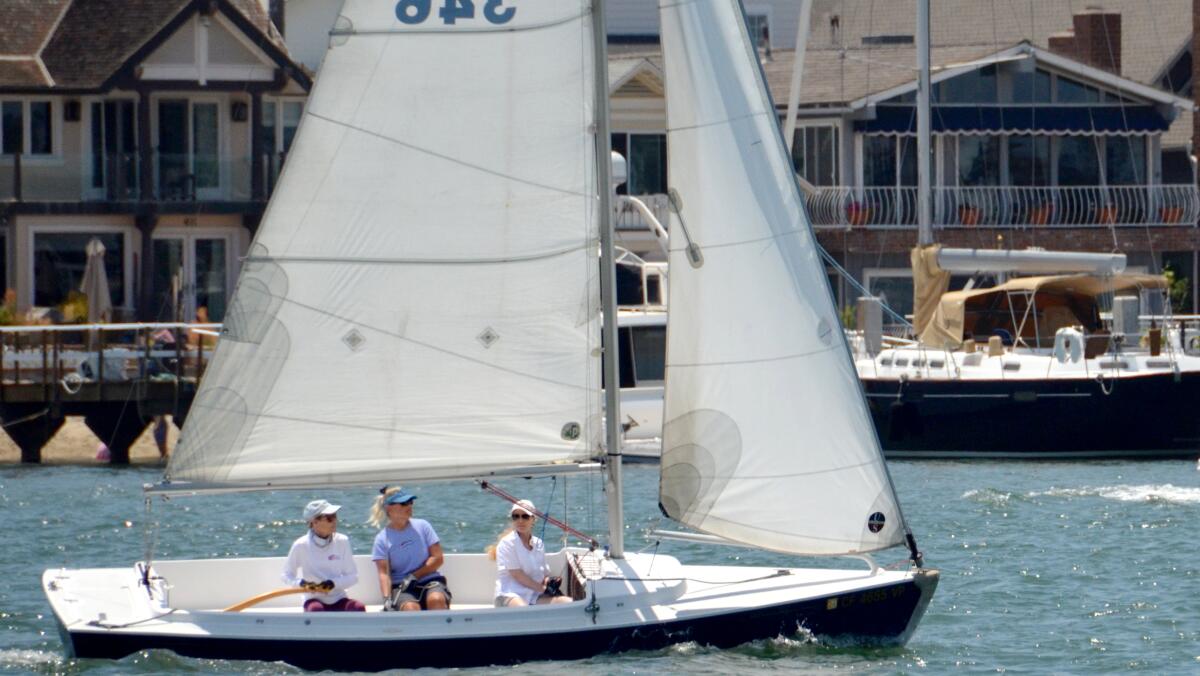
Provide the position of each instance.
(189, 235)
(126, 232)
(279, 102)
(766, 12)
(86, 156)
(836, 128)
(56, 124)
(223, 141)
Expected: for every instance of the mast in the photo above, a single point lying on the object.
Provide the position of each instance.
(924, 201)
(608, 289)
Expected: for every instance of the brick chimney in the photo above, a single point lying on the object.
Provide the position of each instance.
(1095, 39)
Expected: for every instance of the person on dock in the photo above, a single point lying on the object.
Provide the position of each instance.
(522, 576)
(322, 561)
(407, 554)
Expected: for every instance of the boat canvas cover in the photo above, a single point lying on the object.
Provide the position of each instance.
(422, 298)
(930, 282)
(948, 326)
(767, 439)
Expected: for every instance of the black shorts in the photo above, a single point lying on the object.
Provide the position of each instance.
(419, 591)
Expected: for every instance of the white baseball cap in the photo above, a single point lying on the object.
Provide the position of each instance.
(319, 508)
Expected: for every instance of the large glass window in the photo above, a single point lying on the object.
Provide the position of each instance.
(879, 161)
(647, 164)
(1070, 91)
(977, 86)
(1078, 162)
(1031, 87)
(646, 161)
(13, 128)
(1029, 160)
(978, 160)
(1125, 160)
(59, 259)
(815, 154)
(40, 138)
(649, 353)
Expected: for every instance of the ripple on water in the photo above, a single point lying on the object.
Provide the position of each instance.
(1162, 493)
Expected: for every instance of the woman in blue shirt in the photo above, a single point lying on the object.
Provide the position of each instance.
(407, 554)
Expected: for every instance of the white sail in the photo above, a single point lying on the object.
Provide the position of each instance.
(767, 439)
(421, 300)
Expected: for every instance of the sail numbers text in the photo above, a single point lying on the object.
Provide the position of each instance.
(417, 11)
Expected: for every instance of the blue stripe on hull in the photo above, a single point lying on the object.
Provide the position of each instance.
(882, 615)
(1136, 417)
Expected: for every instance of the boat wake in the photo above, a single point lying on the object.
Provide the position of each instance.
(26, 659)
(988, 496)
(1164, 493)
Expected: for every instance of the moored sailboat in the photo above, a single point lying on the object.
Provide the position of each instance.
(395, 308)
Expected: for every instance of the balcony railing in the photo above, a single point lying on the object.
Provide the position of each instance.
(117, 177)
(630, 218)
(1008, 206)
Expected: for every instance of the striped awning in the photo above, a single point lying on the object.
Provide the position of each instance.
(1026, 119)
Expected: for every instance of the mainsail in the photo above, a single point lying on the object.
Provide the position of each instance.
(767, 440)
(421, 300)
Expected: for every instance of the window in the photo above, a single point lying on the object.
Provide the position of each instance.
(1078, 162)
(649, 353)
(13, 128)
(280, 120)
(114, 147)
(1176, 166)
(646, 160)
(59, 259)
(1031, 87)
(815, 154)
(1125, 160)
(977, 86)
(760, 29)
(1029, 160)
(1070, 91)
(26, 127)
(978, 160)
(879, 161)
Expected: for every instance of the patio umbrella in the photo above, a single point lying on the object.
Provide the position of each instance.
(95, 284)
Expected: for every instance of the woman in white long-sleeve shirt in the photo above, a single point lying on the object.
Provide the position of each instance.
(322, 560)
(522, 576)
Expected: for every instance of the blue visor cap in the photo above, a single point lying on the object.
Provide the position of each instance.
(399, 498)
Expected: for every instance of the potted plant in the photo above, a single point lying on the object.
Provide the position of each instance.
(1170, 214)
(1106, 214)
(1040, 214)
(858, 213)
(968, 214)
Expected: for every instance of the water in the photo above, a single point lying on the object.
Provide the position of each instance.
(1046, 567)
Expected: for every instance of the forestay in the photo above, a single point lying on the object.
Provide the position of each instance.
(421, 300)
(767, 440)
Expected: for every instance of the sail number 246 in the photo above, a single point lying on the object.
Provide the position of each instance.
(417, 11)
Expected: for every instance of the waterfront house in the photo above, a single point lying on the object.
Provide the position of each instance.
(1054, 125)
(157, 126)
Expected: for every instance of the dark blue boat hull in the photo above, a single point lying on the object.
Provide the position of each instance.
(1150, 416)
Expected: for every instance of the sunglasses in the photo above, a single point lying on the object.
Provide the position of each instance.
(403, 504)
(522, 517)
(327, 517)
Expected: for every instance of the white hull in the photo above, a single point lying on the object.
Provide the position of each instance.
(643, 601)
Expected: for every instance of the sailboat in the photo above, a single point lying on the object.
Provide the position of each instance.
(423, 302)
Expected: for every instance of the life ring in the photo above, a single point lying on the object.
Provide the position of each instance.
(1068, 344)
(72, 382)
(1193, 344)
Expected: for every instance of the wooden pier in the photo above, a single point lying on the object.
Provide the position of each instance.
(117, 377)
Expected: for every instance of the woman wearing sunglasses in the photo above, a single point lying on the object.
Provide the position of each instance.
(522, 576)
(321, 561)
(407, 555)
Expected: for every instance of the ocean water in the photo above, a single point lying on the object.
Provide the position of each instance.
(1079, 567)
